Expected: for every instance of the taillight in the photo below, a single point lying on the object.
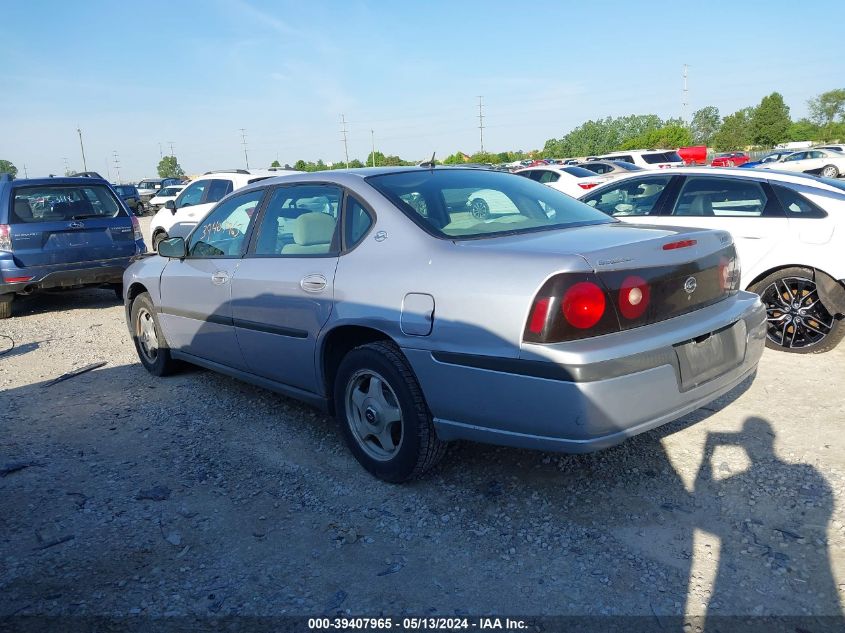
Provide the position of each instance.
(136, 228)
(583, 305)
(634, 297)
(671, 246)
(5, 237)
(539, 315)
(588, 185)
(729, 274)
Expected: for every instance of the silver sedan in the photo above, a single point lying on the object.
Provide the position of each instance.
(378, 296)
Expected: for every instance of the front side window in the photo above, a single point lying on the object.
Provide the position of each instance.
(634, 196)
(59, 203)
(300, 220)
(465, 203)
(721, 197)
(218, 189)
(223, 233)
(192, 194)
(796, 156)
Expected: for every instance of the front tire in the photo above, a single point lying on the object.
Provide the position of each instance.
(157, 239)
(830, 171)
(152, 348)
(383, 414)
(797, 321)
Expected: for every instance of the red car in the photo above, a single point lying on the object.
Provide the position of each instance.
(730, 159)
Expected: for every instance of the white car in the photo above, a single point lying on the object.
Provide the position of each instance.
(836, 147)
(570, 179)
(163, 195)
(647, 158)
(789, 231)
(179, 216)
(826, 162)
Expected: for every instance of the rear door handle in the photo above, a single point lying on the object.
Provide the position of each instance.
(219, 278)
(313, 283)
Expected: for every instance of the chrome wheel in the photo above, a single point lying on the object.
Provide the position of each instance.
(145, 331)
(374, 416)
(479, 209)
(830, 171)
(796, 317)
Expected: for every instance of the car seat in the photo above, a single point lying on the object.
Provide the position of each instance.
(312, 234)
(701, 205)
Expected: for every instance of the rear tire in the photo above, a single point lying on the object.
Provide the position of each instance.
(830, 171)
(785, 294)
(374, 386)
(157, 238)
(152, 348)
(6, 306)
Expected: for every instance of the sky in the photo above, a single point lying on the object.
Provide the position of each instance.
(136, 76)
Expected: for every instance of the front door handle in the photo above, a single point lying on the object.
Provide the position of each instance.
(219, 278)
(313, 283)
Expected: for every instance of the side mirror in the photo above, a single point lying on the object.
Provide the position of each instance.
(170, 204)
(173, 247)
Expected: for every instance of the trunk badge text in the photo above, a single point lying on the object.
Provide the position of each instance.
(77, 225)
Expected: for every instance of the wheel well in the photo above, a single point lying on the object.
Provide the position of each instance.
(339, 342)
(134, 290)
(831, 292)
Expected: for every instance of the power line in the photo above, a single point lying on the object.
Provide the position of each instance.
(243, 142)
(481, 121)
(345, 144)
(82, 147)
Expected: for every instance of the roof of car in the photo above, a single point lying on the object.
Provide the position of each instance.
(64, 180)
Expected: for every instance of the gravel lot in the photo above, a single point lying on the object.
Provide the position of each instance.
(201, 495)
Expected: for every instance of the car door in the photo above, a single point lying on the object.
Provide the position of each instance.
(196, 292)
(283, 293)
(745, 207)
(195, 201)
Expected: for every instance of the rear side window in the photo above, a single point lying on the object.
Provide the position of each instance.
(218, 189)
(662, 157)
(548, 176)
(722, 197)
(358, 222)
(54, 203)
(598, 168)
(795, 205)
(578, 172)
(634, 196)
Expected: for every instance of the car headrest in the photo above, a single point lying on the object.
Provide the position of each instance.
(313, 228)
(702, 204)
(23, 209)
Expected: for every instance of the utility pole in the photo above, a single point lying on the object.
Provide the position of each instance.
(243, 142)
(67, 168)
(343, 130)
(160, 151)
(373, 138)
(25, 172)
(82, 147)
(172, 153)
(116, 165)
(481, 121)
(684, 100)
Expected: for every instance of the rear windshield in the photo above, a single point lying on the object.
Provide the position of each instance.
(662, 157)
(149, 184)
(469, 203)
(627, 166)
(55, 203)
(579, 172)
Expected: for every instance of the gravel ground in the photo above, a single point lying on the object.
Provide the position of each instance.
(125, 494)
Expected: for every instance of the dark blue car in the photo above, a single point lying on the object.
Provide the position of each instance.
(63, 233)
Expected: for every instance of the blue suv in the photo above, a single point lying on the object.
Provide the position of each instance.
(63, 233)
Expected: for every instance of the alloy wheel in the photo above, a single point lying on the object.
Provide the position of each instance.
(796, 317)
(374, 416)
(479, 209)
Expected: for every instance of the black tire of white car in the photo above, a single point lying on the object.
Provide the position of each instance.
(830, 171)
(162, 364)
(419, 448)
(157, 238)
(776, 309)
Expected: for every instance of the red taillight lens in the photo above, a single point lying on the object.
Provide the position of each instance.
(583, 305)
(729, 274)
(17, 280)
(634, 296)
(539, 314)
(588, 185)
(671, 246)
(136, 228)
(5, 238)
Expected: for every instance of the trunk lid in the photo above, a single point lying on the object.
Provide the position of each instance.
(72, 241)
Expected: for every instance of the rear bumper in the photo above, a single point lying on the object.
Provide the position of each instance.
(34, 278)
(589, 395)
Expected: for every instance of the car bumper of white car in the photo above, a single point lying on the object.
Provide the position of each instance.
(592, 394)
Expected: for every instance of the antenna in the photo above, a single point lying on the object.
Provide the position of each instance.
(82, 147)
(243, 142)
(481, 121)
(429, 163)
(345, 144)
(684, 98)
(373, 138)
